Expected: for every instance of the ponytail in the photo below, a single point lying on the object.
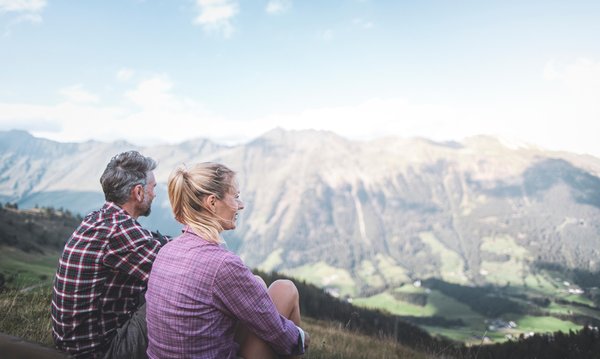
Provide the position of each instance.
(187, 190)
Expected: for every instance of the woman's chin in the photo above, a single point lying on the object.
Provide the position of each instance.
(228, 226)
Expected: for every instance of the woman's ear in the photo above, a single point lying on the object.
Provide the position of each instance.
(210, 201)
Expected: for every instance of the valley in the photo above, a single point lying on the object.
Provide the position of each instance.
(403, 225)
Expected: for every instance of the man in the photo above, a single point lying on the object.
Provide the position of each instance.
(97, 300)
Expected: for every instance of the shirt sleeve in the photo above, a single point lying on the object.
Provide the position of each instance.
(131, 250)
(242, 295)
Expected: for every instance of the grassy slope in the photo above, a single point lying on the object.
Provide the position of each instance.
(27, 315)
(26, 269)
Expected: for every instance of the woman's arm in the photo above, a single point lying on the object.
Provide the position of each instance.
(247, 299)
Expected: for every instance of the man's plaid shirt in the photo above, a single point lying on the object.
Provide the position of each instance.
(103, 269)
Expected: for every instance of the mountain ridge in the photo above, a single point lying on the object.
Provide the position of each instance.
(359, 215)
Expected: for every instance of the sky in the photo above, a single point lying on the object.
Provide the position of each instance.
(165, 71)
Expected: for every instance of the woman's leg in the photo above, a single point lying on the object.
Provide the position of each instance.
(285, 296)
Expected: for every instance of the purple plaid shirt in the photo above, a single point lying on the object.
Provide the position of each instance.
(103, 270)
(197, 292)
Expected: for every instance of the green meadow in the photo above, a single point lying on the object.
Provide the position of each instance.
(22, 269)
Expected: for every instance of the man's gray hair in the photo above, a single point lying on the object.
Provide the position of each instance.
(123, 172)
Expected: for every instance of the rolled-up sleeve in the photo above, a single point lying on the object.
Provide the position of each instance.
(244, 297)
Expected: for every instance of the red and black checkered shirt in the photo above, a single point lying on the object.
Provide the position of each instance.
(103, 269)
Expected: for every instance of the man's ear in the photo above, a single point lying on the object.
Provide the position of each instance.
(138, 192)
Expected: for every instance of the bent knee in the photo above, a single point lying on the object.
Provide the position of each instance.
(284, 287)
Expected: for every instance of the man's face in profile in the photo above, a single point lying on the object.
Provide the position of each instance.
(146, 205)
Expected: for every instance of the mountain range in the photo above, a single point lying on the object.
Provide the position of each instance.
(357, 216)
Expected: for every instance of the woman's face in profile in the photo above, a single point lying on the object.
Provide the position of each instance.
(226, 209)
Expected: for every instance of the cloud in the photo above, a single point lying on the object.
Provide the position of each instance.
(275, 7)
(581, 76)
(551, 124)
(31, 6)
(125, 74)
(26, 11)
(363, 23)
(78, 94)
(65, 121)
(161, 115)
(326, 35)
(374, 118)
(216, 15)
(150, 113)
(563, 114)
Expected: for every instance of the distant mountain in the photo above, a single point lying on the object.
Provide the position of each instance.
(358, 216)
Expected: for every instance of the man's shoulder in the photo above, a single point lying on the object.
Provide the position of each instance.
(113, 215)
(112, 219)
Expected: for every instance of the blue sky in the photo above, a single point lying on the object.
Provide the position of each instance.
(166, 70)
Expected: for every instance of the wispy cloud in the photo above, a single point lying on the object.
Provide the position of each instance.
(326, 35)
(125, 74)
(24, 11)
(582, 76)
(363, 23)
(216, 15)
(275, 7)
(78, 94)
(151, 107)
(30, 6)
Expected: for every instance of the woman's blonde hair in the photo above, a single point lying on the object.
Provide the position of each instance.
(187, 191)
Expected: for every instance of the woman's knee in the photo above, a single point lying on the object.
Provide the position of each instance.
(285, 288)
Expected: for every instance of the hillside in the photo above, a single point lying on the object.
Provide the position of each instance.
(371, 214)
(27, 315)
(372, 221)
(341, 328)
(30, 243)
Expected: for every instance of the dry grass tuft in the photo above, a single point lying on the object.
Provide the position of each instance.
(27, 315)
(331, 340)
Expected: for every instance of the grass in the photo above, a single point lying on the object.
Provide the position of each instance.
(324, 275)
(369, 274)
(452, 266)
(545, 324)
(386, 301)
(390, 270)
(437, 304)
(512, 271)
(330, 340)
(27, 315)
(27, 269)
(273, 260)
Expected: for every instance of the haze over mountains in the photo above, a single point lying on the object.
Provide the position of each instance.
(364, 215)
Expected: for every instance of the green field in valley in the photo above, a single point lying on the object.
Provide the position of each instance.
(22, 269)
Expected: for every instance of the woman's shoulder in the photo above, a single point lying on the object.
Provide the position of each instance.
(232, 264)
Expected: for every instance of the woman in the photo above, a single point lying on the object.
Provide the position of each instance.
(202, 301)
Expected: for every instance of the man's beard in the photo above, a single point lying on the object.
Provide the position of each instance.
(146, 212)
